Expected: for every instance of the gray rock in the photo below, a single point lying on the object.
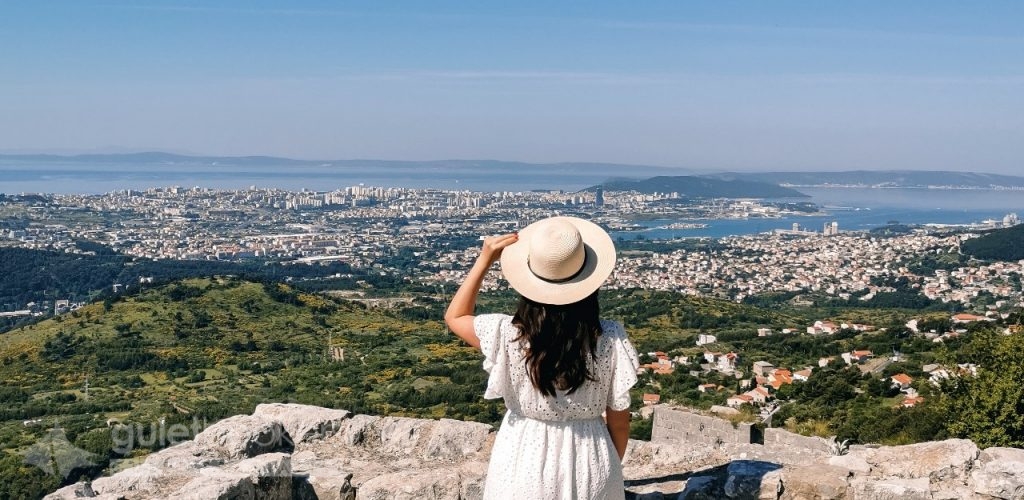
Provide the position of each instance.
(948, 461)
(700, 488)
(771, 486)
(400, 435)
(267, 476)
(431, 484)
(665, 488)
(743, 478)
(183, 456)
(815, 482)
(855, 464)
(456, 440)
(646, 460)
(243, 436)
(891, 489)
(360, 430)
(331, 484)
(80, 489)
(958, 493)
(218, 484)
(1001, 474)
(473, 476)
(144, 478)
(304, 422)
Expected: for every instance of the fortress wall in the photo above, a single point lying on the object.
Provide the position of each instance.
(680, 426)
(781, 439)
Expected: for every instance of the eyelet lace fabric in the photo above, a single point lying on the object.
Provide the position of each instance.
(554, 447)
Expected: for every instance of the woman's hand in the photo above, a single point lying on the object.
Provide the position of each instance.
(492, 247)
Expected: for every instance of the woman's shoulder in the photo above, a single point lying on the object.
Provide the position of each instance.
(493, 316)
(611, 329)
(491, 322)
(611, 332)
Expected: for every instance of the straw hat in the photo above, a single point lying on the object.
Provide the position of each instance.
(559, 260)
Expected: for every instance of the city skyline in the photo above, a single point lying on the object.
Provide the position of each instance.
(729, 86)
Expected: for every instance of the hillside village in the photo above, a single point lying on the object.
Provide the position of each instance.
(758, 386)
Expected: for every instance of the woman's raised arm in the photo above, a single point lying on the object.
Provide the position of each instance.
(459, 316)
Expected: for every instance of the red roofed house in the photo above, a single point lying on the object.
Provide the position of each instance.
(901, 381)
(911, 401)
(779, 378)
(802, 375)
(738, 400)
(759, 395)
(820, 327)
(727, 363)
(651, 399)
(969, 318)
(857, 357)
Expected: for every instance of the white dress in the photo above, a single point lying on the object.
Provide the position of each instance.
(554, 447)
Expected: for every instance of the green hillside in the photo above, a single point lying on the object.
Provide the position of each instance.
(1001, 244)
(201, 350)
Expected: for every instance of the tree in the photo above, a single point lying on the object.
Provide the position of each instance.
(988, 408)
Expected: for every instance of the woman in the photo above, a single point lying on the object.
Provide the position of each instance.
(557, 365)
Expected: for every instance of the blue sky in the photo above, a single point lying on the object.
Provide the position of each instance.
(705, 85)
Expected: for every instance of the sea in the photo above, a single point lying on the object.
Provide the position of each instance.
(858, 209)
(850, 208)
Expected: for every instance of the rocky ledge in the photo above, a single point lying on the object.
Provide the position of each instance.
(286, 451)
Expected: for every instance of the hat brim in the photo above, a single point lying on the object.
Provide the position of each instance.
(597, 267)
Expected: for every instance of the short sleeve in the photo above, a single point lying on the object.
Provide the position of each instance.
(624, 365)
(488, 329)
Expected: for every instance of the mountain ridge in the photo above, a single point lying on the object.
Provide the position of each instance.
(164, 159)
(822, 178)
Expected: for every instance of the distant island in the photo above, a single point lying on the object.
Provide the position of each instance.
(701, 187)
(881, 179)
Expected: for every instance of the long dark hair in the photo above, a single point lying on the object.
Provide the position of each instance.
(559, 340)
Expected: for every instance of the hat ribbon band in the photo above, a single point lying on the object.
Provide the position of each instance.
(561, 280)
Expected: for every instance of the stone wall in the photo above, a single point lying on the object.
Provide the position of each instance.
(781, 440)
(684, 427)
(296, 452)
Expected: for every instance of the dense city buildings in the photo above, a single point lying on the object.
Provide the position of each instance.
(366, 227)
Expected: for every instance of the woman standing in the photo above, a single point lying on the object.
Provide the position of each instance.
(557, 365)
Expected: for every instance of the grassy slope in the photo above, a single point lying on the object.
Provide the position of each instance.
(178, 362)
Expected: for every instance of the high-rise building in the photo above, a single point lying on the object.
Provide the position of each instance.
(599, 196)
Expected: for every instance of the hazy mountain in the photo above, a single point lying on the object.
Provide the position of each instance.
(879, 178)
(165, 160)
(152, 161)
(702, 187)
